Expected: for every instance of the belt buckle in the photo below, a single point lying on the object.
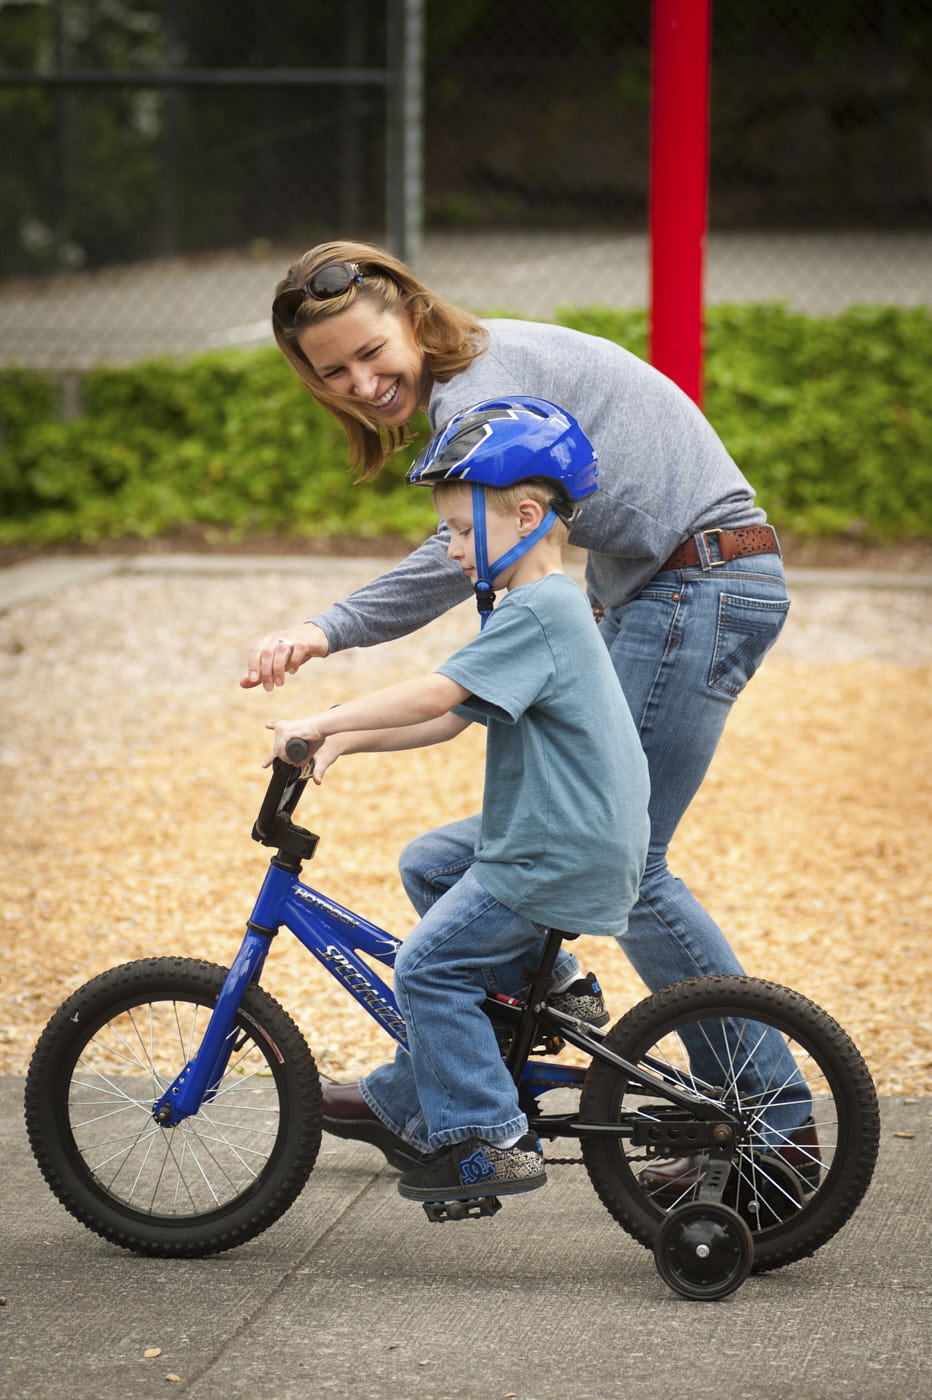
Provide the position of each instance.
(713, 563)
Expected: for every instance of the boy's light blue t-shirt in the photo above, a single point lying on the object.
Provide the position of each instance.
(564, 829)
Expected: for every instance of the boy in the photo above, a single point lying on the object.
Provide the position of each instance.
(563, 833)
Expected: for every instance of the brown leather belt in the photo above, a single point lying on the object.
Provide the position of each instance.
(727, 544)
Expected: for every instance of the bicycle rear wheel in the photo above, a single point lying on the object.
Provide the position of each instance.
(216, 1179)
(796, 1186)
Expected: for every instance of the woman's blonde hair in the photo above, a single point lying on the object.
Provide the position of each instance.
(449, 337)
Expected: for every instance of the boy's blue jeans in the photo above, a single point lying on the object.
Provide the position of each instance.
(453, 1084)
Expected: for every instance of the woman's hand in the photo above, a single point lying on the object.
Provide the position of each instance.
(279, 654)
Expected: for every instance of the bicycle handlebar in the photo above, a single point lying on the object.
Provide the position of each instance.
(297, 750)
(273, 826)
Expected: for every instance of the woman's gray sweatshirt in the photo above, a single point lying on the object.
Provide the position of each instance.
(664, 474)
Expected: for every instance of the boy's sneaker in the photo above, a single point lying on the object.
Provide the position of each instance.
(476, 1168)
(582, 998)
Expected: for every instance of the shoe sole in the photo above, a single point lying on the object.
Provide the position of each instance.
(393, 1149)
(471, 1193)
(602, 1020)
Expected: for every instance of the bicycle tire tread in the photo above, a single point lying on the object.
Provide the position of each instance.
(706, 994)
(103, 995)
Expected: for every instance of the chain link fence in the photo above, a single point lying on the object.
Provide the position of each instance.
(163, 162)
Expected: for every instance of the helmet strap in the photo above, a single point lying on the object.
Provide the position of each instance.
(524, 545)
(485, 598)
(485, 573)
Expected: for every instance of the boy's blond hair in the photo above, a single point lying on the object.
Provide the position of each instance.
(504, 500)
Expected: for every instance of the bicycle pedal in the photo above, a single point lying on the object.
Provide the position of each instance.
(462, 1210)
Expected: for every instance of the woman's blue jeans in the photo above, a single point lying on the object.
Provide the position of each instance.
(684, 649)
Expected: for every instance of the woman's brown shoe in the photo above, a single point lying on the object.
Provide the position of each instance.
(669, 1183)
(347, 1115)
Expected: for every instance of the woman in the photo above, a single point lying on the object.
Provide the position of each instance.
(681, 562)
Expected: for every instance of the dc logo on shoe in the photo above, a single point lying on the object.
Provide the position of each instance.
(475, 1168)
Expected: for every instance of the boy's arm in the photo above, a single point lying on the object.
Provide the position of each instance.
(410, 736)
(422, 704)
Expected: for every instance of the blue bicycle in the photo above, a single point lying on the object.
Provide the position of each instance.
(174, 1107)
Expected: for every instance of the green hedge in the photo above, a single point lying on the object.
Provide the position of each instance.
(830, 417)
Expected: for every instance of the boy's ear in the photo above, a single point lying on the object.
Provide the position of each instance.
(530, 514)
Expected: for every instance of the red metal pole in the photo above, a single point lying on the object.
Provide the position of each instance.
(679, 167)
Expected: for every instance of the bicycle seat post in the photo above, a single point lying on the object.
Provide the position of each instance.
(539, 980)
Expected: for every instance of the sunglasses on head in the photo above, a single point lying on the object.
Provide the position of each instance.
(331, 280)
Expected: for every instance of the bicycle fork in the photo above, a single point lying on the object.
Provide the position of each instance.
(197, 1082)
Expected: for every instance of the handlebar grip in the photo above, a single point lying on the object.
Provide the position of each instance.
(297, 750)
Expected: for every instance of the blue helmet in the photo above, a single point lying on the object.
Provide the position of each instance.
(501, 442)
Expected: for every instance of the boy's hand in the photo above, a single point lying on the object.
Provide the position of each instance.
(286, 729)
(325, 757)
(279, 654)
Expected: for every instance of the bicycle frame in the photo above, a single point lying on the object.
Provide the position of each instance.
(333, 934)
(336, 936)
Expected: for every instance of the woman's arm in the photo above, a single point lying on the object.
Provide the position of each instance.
(419, 588)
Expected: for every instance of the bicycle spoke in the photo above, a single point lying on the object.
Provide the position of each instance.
(124, 1154)
(774, 1062)
(205, 1160)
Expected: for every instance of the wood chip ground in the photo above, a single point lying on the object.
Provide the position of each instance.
(130, 764)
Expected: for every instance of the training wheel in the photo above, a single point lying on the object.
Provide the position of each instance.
(704, 1250)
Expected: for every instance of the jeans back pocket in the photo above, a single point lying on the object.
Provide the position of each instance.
(746, 630)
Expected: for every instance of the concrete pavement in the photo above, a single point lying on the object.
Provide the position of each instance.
(355, 1294)
(180, 305)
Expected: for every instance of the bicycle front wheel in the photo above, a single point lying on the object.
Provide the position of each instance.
(809, 1134)
(216, 1179)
